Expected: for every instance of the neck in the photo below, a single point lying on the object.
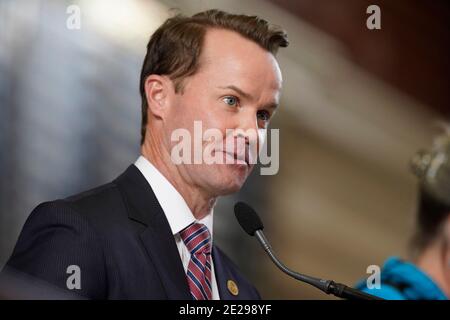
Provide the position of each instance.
(432, 261)
(199, 202)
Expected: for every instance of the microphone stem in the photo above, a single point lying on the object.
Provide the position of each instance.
(327, 286)
(318, 283)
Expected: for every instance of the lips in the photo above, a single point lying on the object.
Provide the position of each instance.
(239, 158)
(238, 153)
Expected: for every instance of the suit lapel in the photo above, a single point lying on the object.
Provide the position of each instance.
(157, 238)
(223, 275)
(163, 251)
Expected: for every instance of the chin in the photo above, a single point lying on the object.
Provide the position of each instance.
(233, 188)
(228, 189)
(225, 180)
(230, 184)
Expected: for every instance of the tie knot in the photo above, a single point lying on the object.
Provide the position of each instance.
(197, 238)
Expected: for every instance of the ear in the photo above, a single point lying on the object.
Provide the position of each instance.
(157, 90)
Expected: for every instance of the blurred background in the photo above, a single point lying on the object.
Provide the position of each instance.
(356, 105)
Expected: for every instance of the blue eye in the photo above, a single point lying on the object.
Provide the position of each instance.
(230, 100)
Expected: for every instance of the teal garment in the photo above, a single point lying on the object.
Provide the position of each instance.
(402, 280)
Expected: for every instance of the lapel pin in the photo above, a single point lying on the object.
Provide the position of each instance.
(232, 287)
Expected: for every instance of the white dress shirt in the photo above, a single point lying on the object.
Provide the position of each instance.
(177, 213)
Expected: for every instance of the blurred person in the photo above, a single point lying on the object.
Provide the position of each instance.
(149, 233)
(427, 275)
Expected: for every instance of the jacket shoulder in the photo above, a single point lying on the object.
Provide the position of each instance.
(55, 240)
(102, 197)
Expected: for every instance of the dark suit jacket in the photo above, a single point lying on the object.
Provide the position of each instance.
(119, 237)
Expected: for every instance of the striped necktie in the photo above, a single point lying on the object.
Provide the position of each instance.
(197, 239)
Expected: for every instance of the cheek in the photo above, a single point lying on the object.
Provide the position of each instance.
(222, 117)
(205, 109)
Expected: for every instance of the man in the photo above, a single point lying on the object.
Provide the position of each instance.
(148, 233)
(427, 276)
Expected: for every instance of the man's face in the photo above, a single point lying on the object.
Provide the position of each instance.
(236, 87)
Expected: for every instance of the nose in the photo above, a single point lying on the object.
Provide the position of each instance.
(247, 120)
(248, 129)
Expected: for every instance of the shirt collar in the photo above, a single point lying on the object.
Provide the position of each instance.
(174, 206)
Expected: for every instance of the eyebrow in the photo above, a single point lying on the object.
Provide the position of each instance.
(272, 105)
(240, 91)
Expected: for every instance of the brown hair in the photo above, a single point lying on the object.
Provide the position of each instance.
(174, 49)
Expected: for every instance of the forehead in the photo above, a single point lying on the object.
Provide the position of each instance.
(228, 56)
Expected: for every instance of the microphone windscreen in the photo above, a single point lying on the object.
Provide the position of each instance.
(247, 218)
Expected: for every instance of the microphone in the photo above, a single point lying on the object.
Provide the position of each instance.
(252, 224)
